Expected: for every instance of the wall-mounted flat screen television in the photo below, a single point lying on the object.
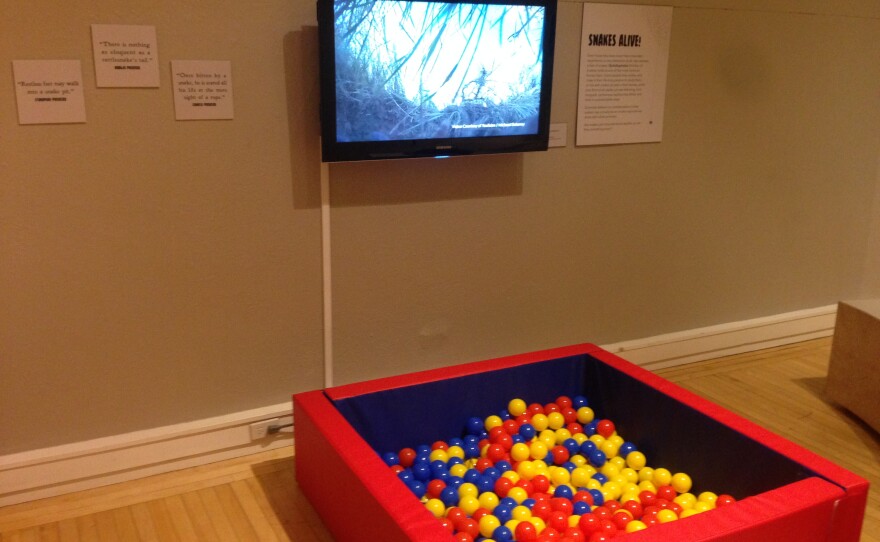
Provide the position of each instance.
(421, 78)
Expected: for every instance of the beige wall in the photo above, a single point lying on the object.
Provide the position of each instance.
(154, 272)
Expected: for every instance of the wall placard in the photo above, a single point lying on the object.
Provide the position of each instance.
(622, 86)
(125, 55)
(202, 89)
(49, 91)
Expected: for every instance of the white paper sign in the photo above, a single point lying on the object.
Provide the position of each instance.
(125, 55)
(622, 87)
(49, 91)
(202, 89)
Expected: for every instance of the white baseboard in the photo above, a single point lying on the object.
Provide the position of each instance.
(63, 469)
(48, 472)
(727, 339)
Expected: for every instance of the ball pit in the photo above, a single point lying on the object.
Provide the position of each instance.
(546, 477)
(756, 485)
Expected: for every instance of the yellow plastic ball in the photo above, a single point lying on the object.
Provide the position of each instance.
(469, 504)
(585, 415)
(548, 437)
(436, 507)
(685, 500)
(439, 455)
(635, 525)
(666, 515)
(708, 497)
(646, 473)
(578, 460)
(468, 489)
(630, 474)
(555, 420)
(526, 470)
(493, 421)
(580, 476)
(520, 513)
(458, 469)
(519, 451)
(488, 524)
(662, 477)
(636, 460)
(488, 500)
(538, 450)
(455, 451)
(681, 482)
(560, 477)
(562, 435)
(540, 422)
(516, 407)
(518, 494)
(538, 523)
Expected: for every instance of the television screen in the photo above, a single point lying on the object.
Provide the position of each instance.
(415, 78)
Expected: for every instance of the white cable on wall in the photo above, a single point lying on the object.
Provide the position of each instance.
(326, 283)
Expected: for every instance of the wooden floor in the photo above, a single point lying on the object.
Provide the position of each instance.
(256, 497)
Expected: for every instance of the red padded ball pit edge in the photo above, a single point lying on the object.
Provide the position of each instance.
(360, 499)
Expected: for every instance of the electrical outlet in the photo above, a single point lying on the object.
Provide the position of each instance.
(260, 429)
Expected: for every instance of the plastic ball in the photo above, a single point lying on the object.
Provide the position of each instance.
(636, 460)
(681, 482)
(605, 428)
(517, 407)
(502, 534)
(492, 421)
(661, 477)
(436, 507)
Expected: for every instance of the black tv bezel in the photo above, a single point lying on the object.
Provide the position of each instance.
(350, 151)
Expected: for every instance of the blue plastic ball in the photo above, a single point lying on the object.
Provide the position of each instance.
(598, 498)
(492, 473)
(569, 466)
(580, 508)
(527, 431)
(449, 496)
(563, 491)
(579, 401)
(473, 426)
(503, 512)
(626, 448)
(422, 471)
(502, 534)
(390, 459)
(456, 442)
(485, 483)
(472, 476)
(418, 488)
(601, 478)
(597, 458)
(406, 476)
(454, 482)
(529, 503)
(571, 445)
(590, 428)
(587, 448)
(503, 466)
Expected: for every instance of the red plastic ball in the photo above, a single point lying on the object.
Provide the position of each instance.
(551, 407)
(563, 401)
(435, 487)
(407, 457)
(469, 526)
(605, 428)
(541, 483)
(525, 531)
(462, 537)
(666, 492)
(562, 504)
(589, 523)
(439, 445)
(535, 408)
(560, 454)
(569, 414)
(502, 486)
(724, 500)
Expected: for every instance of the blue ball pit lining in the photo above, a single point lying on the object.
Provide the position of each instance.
(671, 434)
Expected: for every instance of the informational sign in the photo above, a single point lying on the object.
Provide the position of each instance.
(49, 91)
(622, 87)
(125, 55)
(202, 89)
